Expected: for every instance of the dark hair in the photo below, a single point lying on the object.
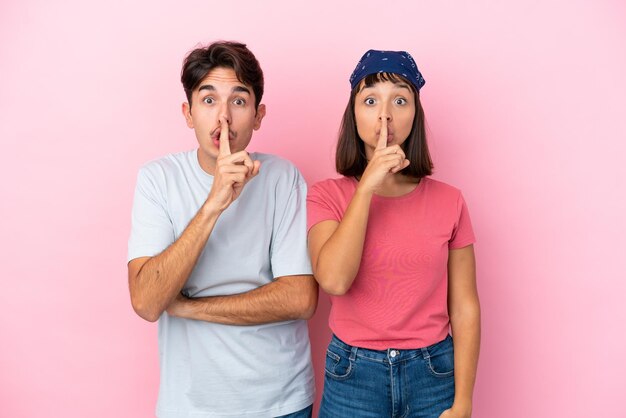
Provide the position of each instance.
(235, 55)
(350, 159)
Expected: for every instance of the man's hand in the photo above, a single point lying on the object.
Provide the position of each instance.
(232, 171)
(176, 306)
(386, 160)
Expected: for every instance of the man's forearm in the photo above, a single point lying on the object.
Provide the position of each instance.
(162, 277)
(286, 298)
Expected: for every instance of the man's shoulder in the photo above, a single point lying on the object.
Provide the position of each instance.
(167, 165)
(273, 161)
(275, 168)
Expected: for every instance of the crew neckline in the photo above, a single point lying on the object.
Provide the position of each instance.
(196, 162)
(408, 195)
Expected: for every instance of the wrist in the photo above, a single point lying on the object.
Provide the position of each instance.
(363, 192)
(210, 209)
(463, 407)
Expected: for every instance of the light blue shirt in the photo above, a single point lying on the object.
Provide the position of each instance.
(215, 370)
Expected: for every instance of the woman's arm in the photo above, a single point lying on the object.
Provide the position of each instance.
(464, 312)
(336, 247)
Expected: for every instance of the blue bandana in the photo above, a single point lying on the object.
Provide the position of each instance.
(397, 62)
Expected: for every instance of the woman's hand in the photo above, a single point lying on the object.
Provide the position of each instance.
(385, 161)
(455, 413)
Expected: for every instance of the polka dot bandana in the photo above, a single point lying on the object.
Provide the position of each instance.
(397, 62)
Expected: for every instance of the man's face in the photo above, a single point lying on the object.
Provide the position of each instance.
(221, 94)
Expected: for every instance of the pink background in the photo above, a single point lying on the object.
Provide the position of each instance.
(525, 105)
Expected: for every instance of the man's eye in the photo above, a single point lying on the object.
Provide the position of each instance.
(401, 101)
(370, 101)
(239, 102)
(208, 100)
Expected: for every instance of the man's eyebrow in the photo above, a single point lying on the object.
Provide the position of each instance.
(236, 89)
(241, 89)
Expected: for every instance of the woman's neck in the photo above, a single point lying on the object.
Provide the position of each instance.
(397, 185)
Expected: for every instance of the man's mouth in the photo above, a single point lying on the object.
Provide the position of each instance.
(215, 137)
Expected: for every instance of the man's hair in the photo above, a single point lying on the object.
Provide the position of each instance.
(350, 159)
(225, 54)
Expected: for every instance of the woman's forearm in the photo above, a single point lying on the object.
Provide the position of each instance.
(338, 260)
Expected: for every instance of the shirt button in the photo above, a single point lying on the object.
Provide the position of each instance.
(393, 353)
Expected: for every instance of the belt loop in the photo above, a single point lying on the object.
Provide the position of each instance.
(353, 351)
(425, 353)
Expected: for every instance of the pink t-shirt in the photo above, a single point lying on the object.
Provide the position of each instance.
(399, 296)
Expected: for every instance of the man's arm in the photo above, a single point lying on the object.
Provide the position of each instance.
(286, 298)
(155, 281)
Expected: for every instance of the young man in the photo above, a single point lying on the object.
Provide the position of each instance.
(218, 255)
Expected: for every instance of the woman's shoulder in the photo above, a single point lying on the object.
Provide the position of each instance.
(335, 182)
(333, 188)
(339, 183)
(439, 187)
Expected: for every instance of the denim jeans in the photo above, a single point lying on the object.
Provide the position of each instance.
(392, 383)
(303, 413)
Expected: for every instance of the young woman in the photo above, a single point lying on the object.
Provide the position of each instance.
(393, 248)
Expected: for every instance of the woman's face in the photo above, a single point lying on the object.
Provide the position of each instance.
(384, 100)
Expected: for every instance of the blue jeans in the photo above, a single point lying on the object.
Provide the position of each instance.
(303, 413)
(392, 383)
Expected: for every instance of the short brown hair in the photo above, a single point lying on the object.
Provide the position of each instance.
(226, 54)
(350, 159)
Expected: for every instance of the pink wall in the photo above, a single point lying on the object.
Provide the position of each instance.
(525, 104)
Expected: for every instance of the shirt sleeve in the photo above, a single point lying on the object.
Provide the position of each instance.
(463, 233)
(289, 252)
(319, 207)
(152, 230)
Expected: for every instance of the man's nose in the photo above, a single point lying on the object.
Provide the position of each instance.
(225, 113)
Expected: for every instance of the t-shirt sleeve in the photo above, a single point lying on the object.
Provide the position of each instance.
(152, 230)
(463, 233)
(289, 252)
(319, 207)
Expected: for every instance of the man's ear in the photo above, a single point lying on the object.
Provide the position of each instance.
(260, 114)
(187, 114)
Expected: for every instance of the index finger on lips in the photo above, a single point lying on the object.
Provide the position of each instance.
(382, 138)
(224, 133)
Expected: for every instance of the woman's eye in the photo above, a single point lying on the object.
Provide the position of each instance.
(370, 101)
(401, 101)
(208, 100)
(239, 102)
